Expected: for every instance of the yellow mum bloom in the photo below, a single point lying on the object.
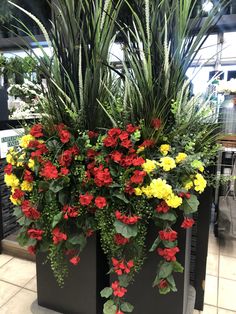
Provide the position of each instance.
(164, 149)
(188, 185)
(167, 163)
(138, 191)
(20, 160)
(180, 157)
(26, 186)
(15, 201)
(11, 180)
(24, 141)
(160, 189)
(200, 183)
(10, 159)
(31, 164)
(140, 149)
(149, 165)
(147, 191)
(174, 201)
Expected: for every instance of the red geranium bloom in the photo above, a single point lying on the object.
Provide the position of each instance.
(63, 133)
(115, 132)
(138, 177)
(92, 134)
(163, 284)
(65, 158)
(124, 135)
(100, 202)
(8, 169)
(156, 123)
(120, 240)
(118, 291)
(89, 233)
(110, 141)
(70, 211)
(35, 234)
(28, 176)
(30, 211)
(64, 171)
(75, 260)
(49, 171)
(162, 207)
(58, 236)
(131, 128)
(91, 153)
(147, 143)
(85, 199)
(187, 223)
(170, 235)
(129, 189)
(169, 253)
(18, 194)
(102, 176)
(116, 156)
(36, 130)
(138, 161)
(128, 220)
(32, 250)
(126, 143)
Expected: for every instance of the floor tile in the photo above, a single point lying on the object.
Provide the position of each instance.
(25, 302)
(196, 312)
(211, 290)
(209, 309)
(32, 284)
(227, 267)
(212, 264)
(7, 291)
(18, 271)
(223, 311)
(4, 259)
(228, 247)
(227, 294)
(213, 245)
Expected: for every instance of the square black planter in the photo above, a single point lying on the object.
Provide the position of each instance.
(81, 292)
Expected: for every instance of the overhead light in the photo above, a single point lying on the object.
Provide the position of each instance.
(207, 6)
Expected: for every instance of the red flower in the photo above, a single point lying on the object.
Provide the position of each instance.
(168, 235)
(169, 253)
(162, 207)
(138, 161)
(138, 177)
(116, 156)
(187, 223)
(89, 233)
(129, 189)
(91, 153)
(32, 250)
(163, 284)
(126, 143)
(64, 135)
(49, 171)
(102, 176)
(36, 130)
(85, 199)
(30, 211)
(147, 143)
(28, 176)
(120, 240)
(18, 194)
(75, 260)
(100, 202)
(124, 135)
(64, 171)
(118, 291)
(58, 236)
(35, 234)
(131, 128)
(110, 141)
(121, 267)
(187, 195)
(128, 220)
(70, 211)
(119, 312)
(115, 132)
(92, 134)
(8, 169)
(156, 123)
(41, 149)
(65, 158)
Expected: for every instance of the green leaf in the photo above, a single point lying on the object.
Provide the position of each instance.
(127, 307)
(155, 244)
(126, 231)
(122, 198)
(43, 185)
(124, 280)
(190, 206)
(57, 219)
(56, 186)
(171, 282)
(165, 290)
(106, 292)
(168, 217)
(18, 212)
(165, 270)
(78, 239)
(63, 197)
(169, 244)
(156, 281)
(109, 307)
(177, 267)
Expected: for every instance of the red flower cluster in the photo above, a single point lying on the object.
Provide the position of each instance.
(128, 220)
(70, 211)
(120, 240)
(32, 250)
(75, 260)
(8, 169)
(184, 195)
(58, 236)
(170, 235)
(162, 207)
(163, 284)
(138, 176)
(102, 176)
(168, 254)
(92, 134)
(187, 223)
(121, 267)
(63, 133)
(66, 157)
(119, 312)
(35, 234)
(18, 194)
(40, 149)
(118, 291)
(37, 130)
(147, 143)
(85, 199)
(156, 123)
(49, 171)
(28, 176)
(129, 189)
(30, 211)
(131, 128)
(117, 136)
(100, 202)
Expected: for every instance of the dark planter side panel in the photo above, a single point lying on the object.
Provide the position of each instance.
(81, 292)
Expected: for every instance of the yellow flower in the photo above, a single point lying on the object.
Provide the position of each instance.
(10, 159)
(26, 186)
(149, 165)
(200, 183)
(15, 201)
(174, 201)
(167, 163)
(188, 185)
(160, 189)
(140, 149)
(147, 191)
(20, 160)
(201, 168)
(25, 140)
(164, 149)
(180, 157)
(11, 180)
(138, 191)
(31, 164)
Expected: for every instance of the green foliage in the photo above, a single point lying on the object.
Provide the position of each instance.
(109, 307)
(190, 206)
(106, 292)
(126, 230)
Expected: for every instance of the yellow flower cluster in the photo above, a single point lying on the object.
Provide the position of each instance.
(15, 201)
(11, 180)
(174, 201)
(10, 157)
(20, 160)
(167, 163)
(149, 165)
(188, 185)
(26, 186)
(164, 149)
(25, 140)
(180, 157)
(31, 164)
(200, 183)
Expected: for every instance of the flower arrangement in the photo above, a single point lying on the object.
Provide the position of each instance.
(67, 186)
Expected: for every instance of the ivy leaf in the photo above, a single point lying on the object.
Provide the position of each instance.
(57, 219)
(177, 267)
(109, 307)
(165, 270)
(122, 198)
(126, 231)
(106, 292)
(18, 212)
(167, 216)
(127, 307)
(190, 206)
(155, 244)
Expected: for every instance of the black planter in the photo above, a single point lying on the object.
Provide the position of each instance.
(81, 292)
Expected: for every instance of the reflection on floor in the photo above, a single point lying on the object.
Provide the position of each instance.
(18, 282)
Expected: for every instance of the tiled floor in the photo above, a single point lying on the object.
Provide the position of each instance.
(18, 282)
